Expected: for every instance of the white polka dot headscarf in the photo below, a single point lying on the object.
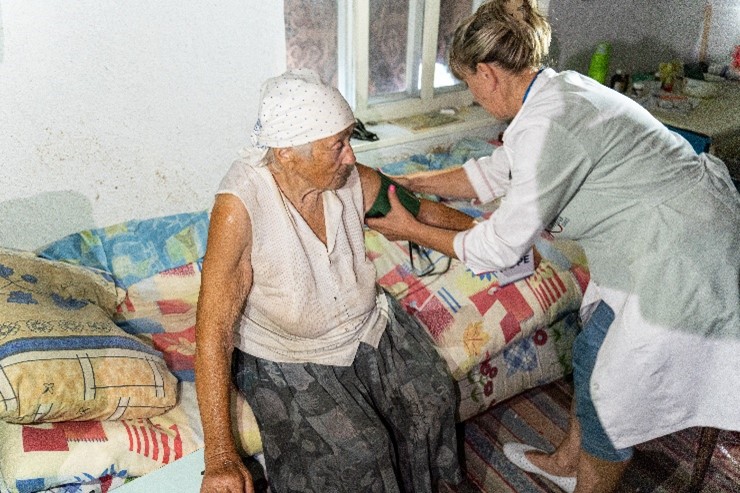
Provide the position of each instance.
(297, 108)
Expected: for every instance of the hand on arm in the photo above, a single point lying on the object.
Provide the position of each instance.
(400, 224)
(429, 212)
(225, 283)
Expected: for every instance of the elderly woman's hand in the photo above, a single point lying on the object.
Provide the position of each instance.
(398, 223)
(228, 475)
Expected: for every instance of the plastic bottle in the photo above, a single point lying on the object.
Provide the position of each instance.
(599, 66)
(619, 81)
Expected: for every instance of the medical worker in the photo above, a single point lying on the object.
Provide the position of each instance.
(660, 225)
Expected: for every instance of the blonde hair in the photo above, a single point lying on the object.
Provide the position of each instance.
(493, 35)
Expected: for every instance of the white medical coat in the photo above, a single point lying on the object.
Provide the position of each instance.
(660, 226)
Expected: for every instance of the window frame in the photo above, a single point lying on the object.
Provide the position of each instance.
(353, 41)
(353, 72)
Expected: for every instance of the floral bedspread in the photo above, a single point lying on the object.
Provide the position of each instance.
(498, 341)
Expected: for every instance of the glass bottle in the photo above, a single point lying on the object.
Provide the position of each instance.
(619, 81)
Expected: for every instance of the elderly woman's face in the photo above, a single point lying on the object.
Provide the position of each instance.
(330, 163)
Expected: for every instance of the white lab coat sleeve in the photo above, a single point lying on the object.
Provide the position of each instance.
(489, 175)
(548, 165)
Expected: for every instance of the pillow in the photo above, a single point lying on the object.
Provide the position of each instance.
(61, 356)
(161, 310)
(74, 456)
(136, 249)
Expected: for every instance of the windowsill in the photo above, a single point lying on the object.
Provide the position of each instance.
(390, 134)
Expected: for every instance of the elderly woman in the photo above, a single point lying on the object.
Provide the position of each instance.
(348, 391)
(660, 226)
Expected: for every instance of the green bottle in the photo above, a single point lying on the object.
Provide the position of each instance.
(599, 66)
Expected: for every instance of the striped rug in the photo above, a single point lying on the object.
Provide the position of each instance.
(539, 417)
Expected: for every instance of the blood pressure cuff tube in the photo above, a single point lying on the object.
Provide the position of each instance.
(382, 205)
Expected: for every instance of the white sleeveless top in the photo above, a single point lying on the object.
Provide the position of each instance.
(309, 302)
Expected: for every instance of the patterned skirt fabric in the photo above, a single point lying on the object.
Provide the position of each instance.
(384, 424)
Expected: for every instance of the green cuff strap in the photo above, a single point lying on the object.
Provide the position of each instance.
(381, 206)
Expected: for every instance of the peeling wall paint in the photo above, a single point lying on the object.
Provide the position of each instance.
(111, 111)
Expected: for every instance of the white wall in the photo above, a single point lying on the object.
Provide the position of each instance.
(114, 110)
(642, 33)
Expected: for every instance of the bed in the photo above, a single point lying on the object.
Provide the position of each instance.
(96, 369)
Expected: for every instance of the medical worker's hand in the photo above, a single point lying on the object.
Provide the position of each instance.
(398, 223)
(405, 181)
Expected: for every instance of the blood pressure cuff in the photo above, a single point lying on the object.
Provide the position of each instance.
(382, 205)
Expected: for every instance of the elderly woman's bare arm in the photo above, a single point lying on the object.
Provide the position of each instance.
(225, 284)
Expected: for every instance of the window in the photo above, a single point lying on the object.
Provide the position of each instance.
(387, 57)
(311, 37)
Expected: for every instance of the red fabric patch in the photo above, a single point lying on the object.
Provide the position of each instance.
(514, 302)
(168, 307)
(547, 287)
(185, 270)
(105, 483)
(178, 348)
(509, 296)
(83, 431)
(510, 326)
(416, 293)
(372, 256)
(126, 306)
(44, 439)
(483, 301)
(435, 317)
(582, 275)
(517, 308)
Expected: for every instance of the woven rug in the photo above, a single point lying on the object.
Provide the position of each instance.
(539, 417)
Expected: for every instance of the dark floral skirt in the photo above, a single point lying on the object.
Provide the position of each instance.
(384, 424)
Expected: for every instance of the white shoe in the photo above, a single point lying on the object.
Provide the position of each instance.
(515, 453)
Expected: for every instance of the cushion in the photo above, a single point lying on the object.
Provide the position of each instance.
(161, 310)
(95, 456)
(61, 356)
(137, 249)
